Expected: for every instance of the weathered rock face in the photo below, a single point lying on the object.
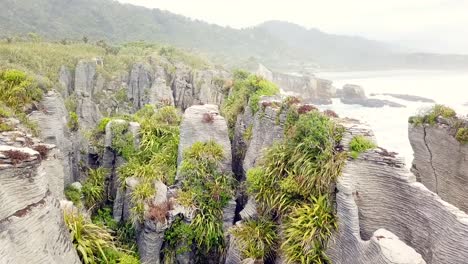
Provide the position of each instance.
(267, 128)
(347, 244)
(441, 162)
(139, 86)
(32, 229)
(388, 197)
(354, 94)
(65, 81)
(85, 78)
(198, 87)
(309, 88)
(53, 130)
(111, 161)
(204, 123)
(151, 237)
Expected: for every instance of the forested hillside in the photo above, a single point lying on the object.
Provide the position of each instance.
(279, 45)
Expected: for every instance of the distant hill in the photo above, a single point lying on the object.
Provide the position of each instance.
(279, 45)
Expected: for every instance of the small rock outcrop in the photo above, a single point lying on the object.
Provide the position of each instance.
(204, 123)
(411, 98)
(441, 161)
(32, 229)
(354, 94)
(52, 124)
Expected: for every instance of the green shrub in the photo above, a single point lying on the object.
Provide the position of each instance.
(101, 128)
(94, 187)
(261, 88)
(17, 90)
(462, 135)
(122, 140)
(248, 133)
(360, 144)
(94, 243)
(71, 103)
(73, 194)
(178, 240)
(306, 231)
(73, 124)
(245, 88)
(291, 174)
(256, 238)
(125, 235)
(5, 127)
(140, 196)
(430, 116)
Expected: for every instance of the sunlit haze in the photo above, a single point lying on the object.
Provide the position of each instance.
(421, 25)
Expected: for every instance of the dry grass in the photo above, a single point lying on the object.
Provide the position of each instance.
(303, 109)
(43, 151)
(16, 156)
(330, 113)
(159, 212)
(208, 118)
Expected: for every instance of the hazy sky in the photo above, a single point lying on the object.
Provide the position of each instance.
(427, 25)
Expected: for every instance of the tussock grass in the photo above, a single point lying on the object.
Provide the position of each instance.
(429, 116)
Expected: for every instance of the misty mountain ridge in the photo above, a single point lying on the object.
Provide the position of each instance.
(277, 44)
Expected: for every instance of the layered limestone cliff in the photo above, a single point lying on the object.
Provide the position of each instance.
(377, 192)
(310, 88)
(32, 229)
(441, 161)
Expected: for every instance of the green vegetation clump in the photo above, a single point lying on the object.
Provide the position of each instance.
(248, 133)
(256, 238)
(179, 239)
(73, 123)
(210, 190)
(122, 139)
(430, 116)
(94, 187)
(101, 128)
(247, 87)
(306, 231)
(462, 135)
(18, 92)
(360, 144)
(156, 157)
(295, 175)
(94, 243)
(124, 233)
(73, 194)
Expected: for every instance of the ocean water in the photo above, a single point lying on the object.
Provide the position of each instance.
(390, 125)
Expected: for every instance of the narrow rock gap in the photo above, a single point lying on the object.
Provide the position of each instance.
(431, 160)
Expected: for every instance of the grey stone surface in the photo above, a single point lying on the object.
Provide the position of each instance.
(441, 162)
(151, 237)
(308, 87)
(194, 129)
(65, 81)
(139, 85)
(88, 113)
(52, 124)
(161, 91)
(85, 74)
(267, 129)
